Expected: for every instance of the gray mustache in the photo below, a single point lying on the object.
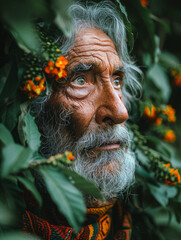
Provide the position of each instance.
(112, 135)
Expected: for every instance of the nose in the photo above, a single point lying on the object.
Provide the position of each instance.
(111, 109)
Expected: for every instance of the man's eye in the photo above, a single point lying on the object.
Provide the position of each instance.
(117, 82)
(79, 81)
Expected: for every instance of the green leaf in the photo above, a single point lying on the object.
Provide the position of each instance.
(11, 85)
(163, 193)
(145, 176)
(12, 196)
(65, 195)
(9, 116)
(82, 184)
(18, 17)
(28, 130)
(128, 25)
(143, 26)
(142, 157)
(163, 23)
(18, 236)
(159, 195)
(160, 79)
(169, 60)
(5, 135)
(29, 185)
(62, 19)
(166, 149)
(6, 216)
(14, 158)
(4, 72)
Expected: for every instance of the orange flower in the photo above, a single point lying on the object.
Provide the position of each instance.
(150, 114)
(173, 172)
(144, 3)
(169, 136)
(37, 78)
(167, 182)
(40, 88)
(177, 80)
(177, 77)
(70, 156)
(158, 121)
(50, 69)
(170, 112)
(61, 73)
(166, 165)
(61, 62)
(32, 90)
(57, 70)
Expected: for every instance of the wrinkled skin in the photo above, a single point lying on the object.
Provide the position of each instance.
(95, 94)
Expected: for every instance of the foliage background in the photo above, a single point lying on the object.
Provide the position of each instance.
(156, 208)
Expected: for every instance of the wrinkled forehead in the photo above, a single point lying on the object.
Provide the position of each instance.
(93, 45)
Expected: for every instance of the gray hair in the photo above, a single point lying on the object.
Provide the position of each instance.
(105, 17)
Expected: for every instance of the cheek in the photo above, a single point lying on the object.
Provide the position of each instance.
(83, 111)
(82, 117)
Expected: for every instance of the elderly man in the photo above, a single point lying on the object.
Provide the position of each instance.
(85, 113)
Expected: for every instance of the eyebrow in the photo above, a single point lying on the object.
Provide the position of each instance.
(119, 70)
(83, 67)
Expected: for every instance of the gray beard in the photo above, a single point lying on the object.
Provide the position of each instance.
(111, 171)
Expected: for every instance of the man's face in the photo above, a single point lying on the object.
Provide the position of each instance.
(92, 92)
(94, 89)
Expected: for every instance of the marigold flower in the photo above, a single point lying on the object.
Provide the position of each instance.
(169, 136)
(166, 165)
(173, 172)
(170, 112)
(150, 114)
(177, 77)
(158, 121)
(70, 156)
(61, 62)
(177, 80)
(50, 69)
(144, 3)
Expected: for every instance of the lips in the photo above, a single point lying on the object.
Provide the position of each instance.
(107, 146)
